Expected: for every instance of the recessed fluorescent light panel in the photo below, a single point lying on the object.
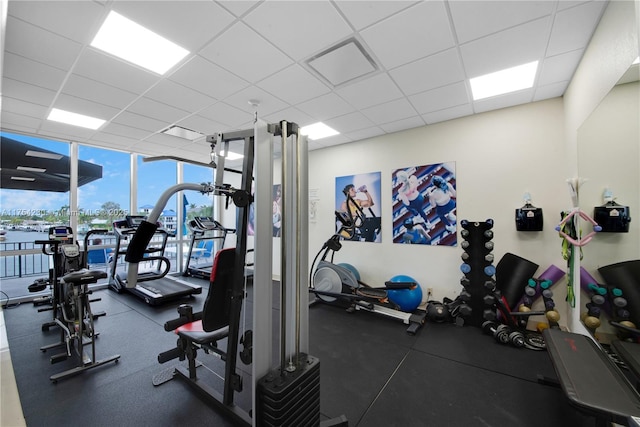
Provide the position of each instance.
(30, 169)
(22, 178)
(43, 155)
(132, 42)
(75, 119)
(318, 131)
(504, 81)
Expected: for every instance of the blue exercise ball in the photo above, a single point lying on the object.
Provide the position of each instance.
(351, 268)
(407, 299)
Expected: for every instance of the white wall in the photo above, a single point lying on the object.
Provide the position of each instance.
(499, 156)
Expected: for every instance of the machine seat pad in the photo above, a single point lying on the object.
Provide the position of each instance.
(588, 377)
(83, 277)
(194, 332)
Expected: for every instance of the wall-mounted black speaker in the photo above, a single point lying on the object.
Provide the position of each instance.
(612, 217)
(529, 218)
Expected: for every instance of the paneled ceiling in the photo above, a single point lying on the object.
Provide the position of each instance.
(422, 55)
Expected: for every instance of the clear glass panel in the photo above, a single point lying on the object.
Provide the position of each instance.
(103, 201)
(154, 178)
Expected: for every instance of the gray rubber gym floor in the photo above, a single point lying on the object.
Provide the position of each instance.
(372, 372)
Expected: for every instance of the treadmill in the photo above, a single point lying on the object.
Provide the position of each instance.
(153, 286)
(204, 228)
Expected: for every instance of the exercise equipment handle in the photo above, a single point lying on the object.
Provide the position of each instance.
(172, 325)
(400, 285)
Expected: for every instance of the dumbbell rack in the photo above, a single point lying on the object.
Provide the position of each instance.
(478, 271)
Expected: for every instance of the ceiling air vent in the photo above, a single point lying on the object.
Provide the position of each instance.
(342, 63)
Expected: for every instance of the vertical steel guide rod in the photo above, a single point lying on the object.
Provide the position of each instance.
(283, 246)
(298, 221)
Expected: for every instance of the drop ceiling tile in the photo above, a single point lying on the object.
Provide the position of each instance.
(448, 114)
(428, 73)
(21, 107)
(371, 91)
(475, 19)
(142, 123)
(559, 68)
(65, 132)
(86, 107)
(40, 45)
(414, 33)
(168, 140)
(506, 49)
(226, 114)
(349, 122)
(76, 20)
(325, 107)
(82, 87)
(112, 140)
(182, 97)
(572, 28)
(207, 78)
(157, 110)
(191, 30)
(27, 92)
(18, 122)
(114, 72)
(294, 84)
(503, 101)
(440, 98)
(367, 133)
(291, 114)
(238, 8)
(552, 90)
(390, 111)
(202, 125)
(332, 140)
(361, 14)
(404, 124)
(267, 102)
(243, 52)
(124, 131)
(310, 26)
(28, 71)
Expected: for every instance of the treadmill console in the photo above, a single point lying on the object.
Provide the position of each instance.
(207, 223)
(134, 221)
(61, 232)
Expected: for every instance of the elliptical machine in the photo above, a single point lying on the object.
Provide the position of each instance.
(71, 304)
(331, 282)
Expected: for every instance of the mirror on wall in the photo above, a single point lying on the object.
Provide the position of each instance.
(609, 161)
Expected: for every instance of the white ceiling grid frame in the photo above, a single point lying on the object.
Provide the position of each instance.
(375, 90)
(420, 30)
(91, 90)
(44, 47)
(440, 69)
(476, 19)
(411, 42)
(240, 48)
(309, 26)
(208, 78)
(362, 14)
